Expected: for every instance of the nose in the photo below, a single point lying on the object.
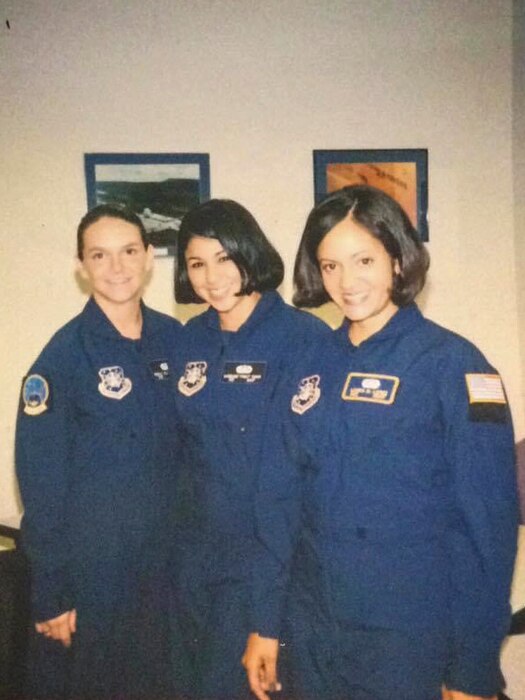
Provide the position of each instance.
(347, 278)
(211, 274)
(116, 263)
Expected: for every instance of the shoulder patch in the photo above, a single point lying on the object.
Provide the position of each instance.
(308, 394)
(194, 377)
(35, 395)
(486, 396)
(485, 388)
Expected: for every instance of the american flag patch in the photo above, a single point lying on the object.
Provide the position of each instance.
(485, 388)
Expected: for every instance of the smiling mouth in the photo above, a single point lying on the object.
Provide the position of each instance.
(117, 283)
(218, 293)
(357, 298)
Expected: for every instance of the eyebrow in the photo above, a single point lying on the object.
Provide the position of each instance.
(353, 255)
(216, 255)
(102, 249)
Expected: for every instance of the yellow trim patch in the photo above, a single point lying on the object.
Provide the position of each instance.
(485, 388)
(372, 388)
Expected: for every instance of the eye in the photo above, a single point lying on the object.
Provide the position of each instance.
(97, 255)
(366, 261)
(132, 251)
(224, 258)
(195, 265)
(328, 266)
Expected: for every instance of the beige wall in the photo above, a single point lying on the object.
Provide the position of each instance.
(258, 84)
(518, 152)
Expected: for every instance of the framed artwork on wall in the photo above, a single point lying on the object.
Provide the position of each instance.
(401, 173)
(159, 187)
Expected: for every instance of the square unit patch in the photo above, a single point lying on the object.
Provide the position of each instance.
(374, 388)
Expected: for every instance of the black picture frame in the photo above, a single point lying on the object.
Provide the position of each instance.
(402, 173)
(158, 187)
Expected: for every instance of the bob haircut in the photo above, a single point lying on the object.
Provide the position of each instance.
(384, 219)
(111, 211)
(241, 237)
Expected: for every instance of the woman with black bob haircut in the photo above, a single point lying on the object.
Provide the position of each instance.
(384, 219)
(387, 477)
(241, 237)
(232, 358)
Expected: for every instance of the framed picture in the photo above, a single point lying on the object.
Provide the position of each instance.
(159, 187)
(401, 173)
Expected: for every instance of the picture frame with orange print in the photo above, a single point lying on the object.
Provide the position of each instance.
(401, 173)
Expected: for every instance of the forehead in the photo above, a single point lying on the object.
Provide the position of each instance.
(109, 231)
(348, 237)
(201, 247)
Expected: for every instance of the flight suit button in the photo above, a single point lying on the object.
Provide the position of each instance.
(243, 429)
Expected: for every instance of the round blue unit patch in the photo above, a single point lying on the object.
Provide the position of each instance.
(35, 395)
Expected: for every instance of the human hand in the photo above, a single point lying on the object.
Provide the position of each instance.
(60, 628)
(260, 662)
(458, 695)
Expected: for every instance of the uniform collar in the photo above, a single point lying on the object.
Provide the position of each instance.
(99, 323)
(401, 322)
(267, 304)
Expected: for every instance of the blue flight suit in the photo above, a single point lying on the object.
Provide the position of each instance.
(225, 385)
(390, 495)
(94, 459)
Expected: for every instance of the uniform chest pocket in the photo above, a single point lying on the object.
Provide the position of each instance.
(107, 401)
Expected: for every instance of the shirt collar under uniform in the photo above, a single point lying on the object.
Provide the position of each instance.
(401, 322)
(268, 304)
(96, 320)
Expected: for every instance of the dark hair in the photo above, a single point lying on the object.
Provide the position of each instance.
(384, 219)
(112, 211)
(240, 235)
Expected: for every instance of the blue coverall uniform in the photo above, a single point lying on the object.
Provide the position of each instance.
(94, 458)
(226, 382)
(390, 494)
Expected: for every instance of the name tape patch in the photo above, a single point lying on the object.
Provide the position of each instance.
(373, 388)
(160, 369)
(243, 372)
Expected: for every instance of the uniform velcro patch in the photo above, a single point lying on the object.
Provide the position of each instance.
(487, 401)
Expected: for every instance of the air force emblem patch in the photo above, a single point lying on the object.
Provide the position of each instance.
(194, 378)
(35, 395)
(373, 388)
(308, 393)
(113, 384)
